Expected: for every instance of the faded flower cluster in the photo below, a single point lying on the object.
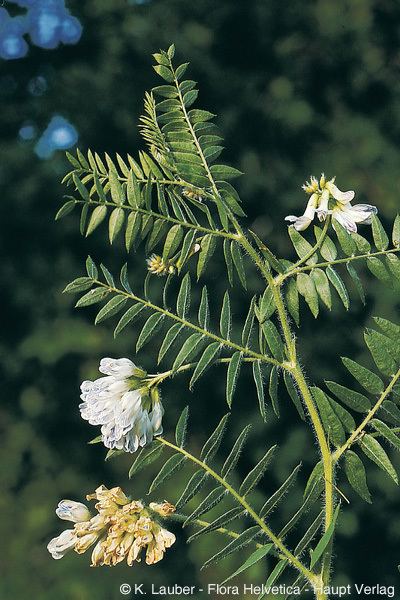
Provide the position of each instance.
(120, 530)
(326, 199)
(127, 409)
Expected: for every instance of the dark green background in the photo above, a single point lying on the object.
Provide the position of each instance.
(299, 87)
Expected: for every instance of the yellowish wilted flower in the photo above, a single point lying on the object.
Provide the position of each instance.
(120, 530)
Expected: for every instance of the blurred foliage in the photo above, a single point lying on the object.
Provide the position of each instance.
(299, 88)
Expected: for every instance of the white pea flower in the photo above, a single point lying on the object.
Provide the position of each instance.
(129, 413)
(327, 199)
(68, 510)
(60, 545)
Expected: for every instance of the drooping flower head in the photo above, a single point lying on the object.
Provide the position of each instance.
(327, 199)
(128, 411)
(121, 529)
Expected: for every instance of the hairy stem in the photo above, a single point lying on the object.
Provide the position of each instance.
(292, 559)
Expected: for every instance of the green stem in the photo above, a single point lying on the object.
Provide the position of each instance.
(159, 378)
(188, 324)
(293, 560)
(314, 249)
(353, 437)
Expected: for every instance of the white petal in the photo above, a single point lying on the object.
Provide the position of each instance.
(68, 510)
(60, 545)
(343, 197)
(361, 213)
(342, 217)
(118, 367)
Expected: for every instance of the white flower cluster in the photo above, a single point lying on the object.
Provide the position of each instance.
(326, 199)
(129, 414)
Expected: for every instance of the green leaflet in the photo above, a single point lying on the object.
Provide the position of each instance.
(328, 249)
(378, 269)
(369, 380)
(352, 399)
(112, 307)
(339, 286)
(372, 448)
(194, 484)
(211, 446)
(252, 560)
(309, 534)
(357, 281)
(183, 300)
(169, 339)
(207, 249)
(150, 328)
(257, 375)
(275, 574)
(248, 325)
(274, 340)
(92, 297)
(172, 241)
(344, 416)
(381, 239)
(387, 433)
(243, 540)
(213, 498)
(189, 350)
(292, 391)
(393, 263)
(228, 261)
(267, 305)
(232, 376)
(346, 242)
(331, 422)
(382, 351)
(115, 223)
(187, 246)
(238, 262)
(181, 427)
(324, 541)
(396, 232)
(356, 475)
(170, 467)
(255, 474)
(81, 284)
(220, 521)
(322, 286)
(208, 357)
(65, 210)
(234, 454)
(273, 390)
(390, 329)
(301, 245)
(314, 479)
(279, 494)
(98, 215)
(306, 288)
(107, 276)
(225, 323)
(145, 457)
(133, 227)
(292, 301)
(91, 268)
(204, 310)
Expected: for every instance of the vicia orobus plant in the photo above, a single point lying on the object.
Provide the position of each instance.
(177, 199)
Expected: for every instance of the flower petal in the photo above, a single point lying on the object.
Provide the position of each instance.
(343, 197)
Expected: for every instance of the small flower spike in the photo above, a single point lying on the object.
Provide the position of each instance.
(120, 530)
(327, 199)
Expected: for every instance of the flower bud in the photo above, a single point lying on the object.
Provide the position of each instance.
(68, 510)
